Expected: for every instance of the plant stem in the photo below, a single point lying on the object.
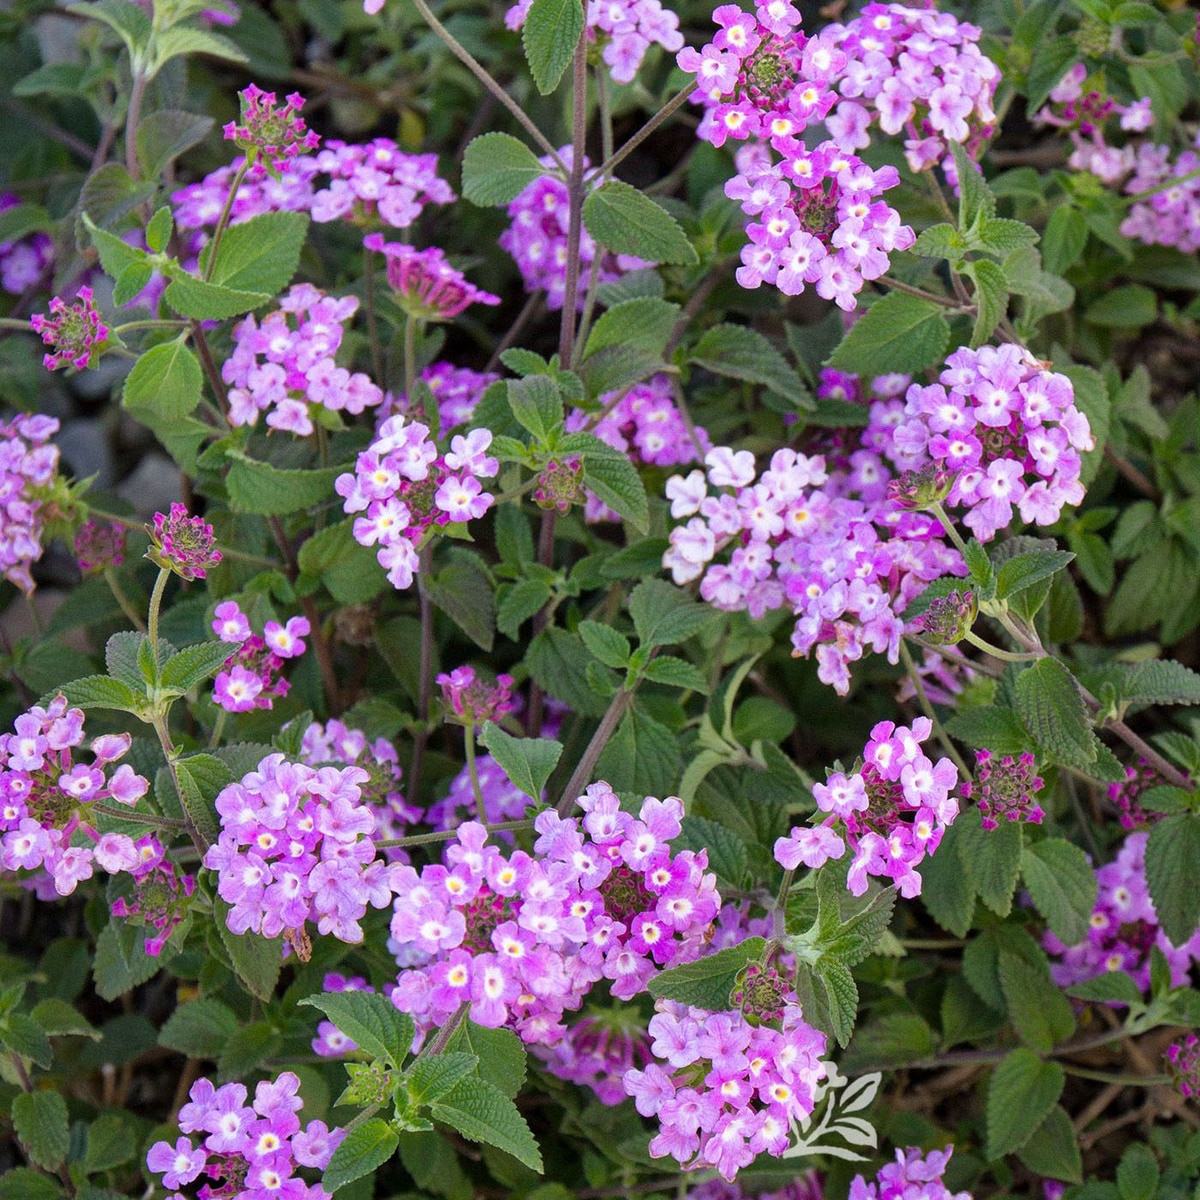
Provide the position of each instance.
(911, 667)
(667, 111)
(372, 320)
(481, 73)
(223, 220)
(131, 614)
(132, 114)
(995, 651)
(410, 355)
(473, 772)
(1165, 186)
(570, 308)
(218, 729)
(424, 671)
(125, 814)
(583, 770)
(156, 599)
(932, 297)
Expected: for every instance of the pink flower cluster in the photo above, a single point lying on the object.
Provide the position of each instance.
(1083, 117)
(523, 939)
(537, 239)
(1125, 796)
(248, 1152)
(425, 285)
(46, 798)
(285, 365)
(733, 1087)
(456, 392)
(502, 799)
(183, 544)
(99, 545)
(625, 28)
(406, 486)
(296, 845)
(1004, 428)
(820, 220)
(597, 1052)
(807, 1185)
(28, 465)
(1183, 1064)
(1123, 928)
(1171, 216)
(75, 332)
(644, 423)
(1006, 788)
(826, 544)
(472, 700)
(270, 136)
(335, 743)
(158, 896)
(891, 812)
(198, 206)
(910, 1176)
(23, 260)
(252, 677)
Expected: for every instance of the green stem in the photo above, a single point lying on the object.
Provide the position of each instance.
(607, 727)
(911, 667)
(156, 599)
(575, 198)
(132, 115)
(1146, 1081)
(372, 321)
(133, 523)
(667, 111)
(473, 772)
(410, 355)
(995, 651)
(223, 221)
(138, 818)
(948, 525)
(130, 326)
(445, 835)
(218, 729)
(932, 297)
(131, 614)
(1165, 186)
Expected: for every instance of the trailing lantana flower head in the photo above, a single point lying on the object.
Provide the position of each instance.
(75, 332)
(270, 135)
(912, 1174)
(182, 544)
(424, 283)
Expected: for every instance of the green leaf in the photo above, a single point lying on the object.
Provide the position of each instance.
(616, 367)
(727, 852)
(497, 168)
(501, 1055)
(111, 1142)
(115, 255)
(558, 662)
(200, 1029)
(462, 591)
(1053, 711)
(616, 482)
(60, 1019)
(1065, 237)
(550, 34)
(897, 333)
(528, 762)
(627, 221)
(134, 27)
(164, 135)
(348, 570)
(192, 297)
(992, 860)
(642, 756)
(1053, 1150)
(201, 779)
(483, 1113)
(121, 961)
(1001, 236)
(537, 404)
(247, 1049)
(159, 229)
(186, 39)
(707, 982)
(1137, 1173)
(182, 671)
(256, 960)
(991, 297)
(941, 241)
(677, 673)
(40, 1119)
(100, 691)
(259, 488)
(429, 1079)
(664, 615)
(990, 727)
(947, 891)
(1039, 1012)
(1106, 988)
(51, 79)
(518, 602)
(1062, 885)
(1172, 855)
(26, 1183)
(1022, 1091)
(259, 255)
(369, 1019)
(1024, 570)
(842, 997)
(1162, 681)
(983, 574)
(1128, 307)
(363, 1149)
(643, 324)
(24, 1036)
(609, 646)
(738, 352)
(975, 199)
(166, 379)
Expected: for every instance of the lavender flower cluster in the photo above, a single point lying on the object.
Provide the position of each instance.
(23, 260)
(913, 1174)
(28, 466)
(252, 676)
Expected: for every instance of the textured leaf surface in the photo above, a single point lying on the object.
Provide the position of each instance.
(627, 221)
(483, 1113)
(1022, 1091)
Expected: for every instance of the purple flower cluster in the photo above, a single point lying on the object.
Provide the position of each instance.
(1183, 1064)
(625, 28)
(734, 1085)
(456, 391)
(1003, 428)
(472, 700)
(596, 1053)
(183, 544)
(252, 677)
(99, 545)
(158, 896)
(247, 1152)
(47, 798)
(376, 184)
(23, 260)
(75, 332)
(334, 742)
(199, 205)
(286, 364)
(28, 466)
(1007, 789)
(268, 135)
(406, 487)
(537, 239)
(891, 812)
(330, 1041)
(820, 220)
(807, 1185)
(1171, 216)
(912, 1175)
(523, 939)
(1125, 795)
(644, 423)
(502, 799)
(1123, 928)
(826, 544)
(296, 845)
(425, 285)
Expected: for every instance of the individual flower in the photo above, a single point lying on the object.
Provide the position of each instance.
(75, 332)
(99, 545)
(425, 285)
(182, 544)
(1006, 788)
(270, 135)
(912, 1174)
(28, 482)
(286, 364)
(889, 814)
(48, 795)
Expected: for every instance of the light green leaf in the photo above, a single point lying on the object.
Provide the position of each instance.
(181, 672)
(1022, 1091)
(164, 135)
(363, 1149)
(502, 1057)
(121, 961)
(256, 960)
(897, 333)
(609, 646)
(1138, 1173)
(616, 482)
(192, 297)
(259, 255)
(497, 168)
(100, 691)
(1053, 1150)
(664, 614)
(1062, 885)
(643, 324)
(483, 1113)
(369, 1019)
(429, 1079)
(991, 297)
(627, 221)
(259, 488)
(201, 778)
(115, 255)
(537, 404)
(1024, 570)
(550, 34)
(707, 982)
(40, 1119)
(528, 762)
(677, 673)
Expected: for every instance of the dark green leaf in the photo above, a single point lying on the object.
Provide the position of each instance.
(1053, 711)
(528, 762)
(40, 1119)
(1022, 1091)
(369, 1019)
(259, 488)
(1172, 860)
(256, 959)
(738, 352)
(627, 221)
(483, 1113)
(497, 168)
(121, 961)
(200, 1029)
(992, 860)
(1053, 1150)
(707, 982)
(1062, 884)
(363, 1149)
(164, 135)
(462, 591)
(897, 333)
(1039, 1012)
(193, 664)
